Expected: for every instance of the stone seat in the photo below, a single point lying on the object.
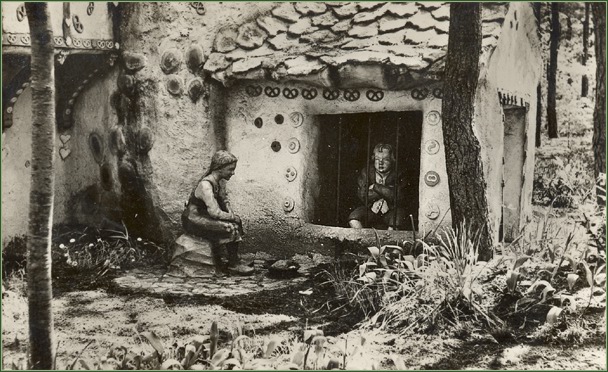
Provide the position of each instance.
(192, 257)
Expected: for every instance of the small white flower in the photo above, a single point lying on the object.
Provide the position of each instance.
(139, 239)
(66, 255)
(90, 245)
(72, 240)
(62, 246)
(99, 240)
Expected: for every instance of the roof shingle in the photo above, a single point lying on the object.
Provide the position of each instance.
(294, 40)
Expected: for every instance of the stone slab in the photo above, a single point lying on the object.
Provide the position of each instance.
(192, 257)
(157, 283)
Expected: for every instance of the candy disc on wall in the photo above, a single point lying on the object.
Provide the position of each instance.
(297, 118)
(433, 117)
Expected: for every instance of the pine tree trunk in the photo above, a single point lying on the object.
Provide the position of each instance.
(41, 194)
(537, 7)
(585, 80)
(468, 198)
(599, 115)
(552, 72)
(539, 116)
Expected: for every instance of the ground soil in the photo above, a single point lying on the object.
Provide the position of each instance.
(95, 314)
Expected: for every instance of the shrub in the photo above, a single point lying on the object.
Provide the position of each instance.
(407, 292)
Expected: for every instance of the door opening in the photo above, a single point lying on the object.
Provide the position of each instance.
(346, 147)
(513, 166)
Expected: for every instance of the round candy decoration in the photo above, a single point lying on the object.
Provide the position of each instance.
(432, 211)
(433, 117)
(293, 145)
(288, 204)
(431, 147)
(170, 61)
(291, 173)
(275, 146)
(297, 118)
(174, 85)
(431, 178)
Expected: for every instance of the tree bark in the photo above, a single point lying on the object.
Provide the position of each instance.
(537, 7)
(468, 197)
(552, 72)
(585, 80)
(539, 116)
(599, 114)
(41, 352)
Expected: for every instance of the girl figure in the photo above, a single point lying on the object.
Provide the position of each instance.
(208, 213)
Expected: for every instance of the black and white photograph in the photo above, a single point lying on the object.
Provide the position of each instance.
(312, 185)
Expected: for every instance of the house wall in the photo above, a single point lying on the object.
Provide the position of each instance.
(181, 134)
(79, 195)
(515, 68)
(76, 197)
(260, 189)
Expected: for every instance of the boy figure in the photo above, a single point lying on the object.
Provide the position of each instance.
(379, 182)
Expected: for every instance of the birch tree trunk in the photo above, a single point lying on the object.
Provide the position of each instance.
(41, 194)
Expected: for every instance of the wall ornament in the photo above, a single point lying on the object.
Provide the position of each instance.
(290, 93)
(432, 147)
(309, 93)
(431, 178)
(419, 94)
(293, 145)
(290, 174)
(374, 95)
(438, 92)
(432, 211)
(433, 117)
(331, 94)
(288, 204)
(351, 95)
(272, 92)
(199, 7)
(297, 118)
(253, 90)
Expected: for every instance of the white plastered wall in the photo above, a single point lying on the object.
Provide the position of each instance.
(259, 189)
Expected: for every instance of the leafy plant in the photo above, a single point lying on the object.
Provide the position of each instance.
(104, 250)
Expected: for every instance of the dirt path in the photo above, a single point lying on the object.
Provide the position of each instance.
(109, 320)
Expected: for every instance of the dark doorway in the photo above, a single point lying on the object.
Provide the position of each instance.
(513, 165)
(345, 145)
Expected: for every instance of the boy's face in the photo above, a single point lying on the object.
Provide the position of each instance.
(382, 161)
